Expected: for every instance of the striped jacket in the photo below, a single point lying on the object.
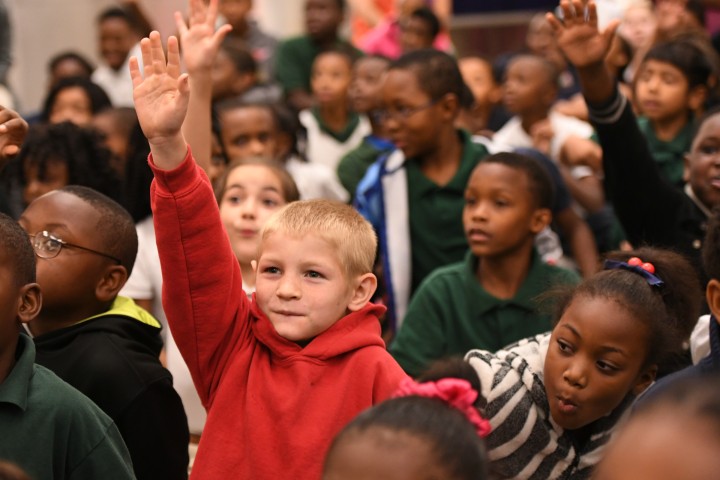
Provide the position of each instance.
(525, 442)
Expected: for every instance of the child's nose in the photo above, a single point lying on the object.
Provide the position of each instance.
(575, 375)
(288, 287)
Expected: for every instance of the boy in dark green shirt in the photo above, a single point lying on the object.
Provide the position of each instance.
(487, 301)
(50, 430)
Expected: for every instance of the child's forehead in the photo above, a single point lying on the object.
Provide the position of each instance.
(61, 207)
(332, 60)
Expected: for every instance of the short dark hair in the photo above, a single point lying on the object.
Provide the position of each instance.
(541, 184)
(99, 99)
(690, 54)
(17, 251)
(241, 58)
(116, 13)
(431, 20)
(116, 229)
(669, 311)
(347, 52)
(457, 447)
(551, 71)
(57, 59)
(437, 72)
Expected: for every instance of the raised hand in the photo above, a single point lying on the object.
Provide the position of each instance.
(13, 130)
(161, 96)
(577, 33)
(198, 39)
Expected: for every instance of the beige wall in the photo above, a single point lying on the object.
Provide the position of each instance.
(42, 28)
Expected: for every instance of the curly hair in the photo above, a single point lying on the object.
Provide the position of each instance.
(82, 150)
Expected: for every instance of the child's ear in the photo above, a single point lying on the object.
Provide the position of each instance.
(111, 283)
(253, 264)
(362, 292)
(450, 106)
(645, 380)
(686, 167)
(712, 296)
(541, 218)
(696, 97)
(29, 303)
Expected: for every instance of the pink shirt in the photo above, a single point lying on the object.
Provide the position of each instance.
(385, 40)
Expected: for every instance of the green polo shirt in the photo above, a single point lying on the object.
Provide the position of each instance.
(435, 213)
(669, 155)
(52, 431)
(293, 61)
(451, 313)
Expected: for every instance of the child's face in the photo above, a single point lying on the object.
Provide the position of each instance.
(527, 87)
(415, 34)
(380, 453)
(366, 87)
(330, 80)
(702, 164)
(115, 140)
(661, 91)
(56, 176)
(249, 132)
(69, 280)
(413, 121)
(500, 215)
(478, 76)
(595, 359)
(116, 41)
(252, 194)
(301, 285)
(235, 11)
(322, 18)
(638, 26)
(71, 104)
(664, 445)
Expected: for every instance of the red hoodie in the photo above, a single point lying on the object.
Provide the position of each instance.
(273, 406)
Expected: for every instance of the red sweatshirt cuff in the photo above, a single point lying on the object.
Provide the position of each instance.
(176, 181)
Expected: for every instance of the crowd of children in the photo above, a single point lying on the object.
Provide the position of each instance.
(226, 255)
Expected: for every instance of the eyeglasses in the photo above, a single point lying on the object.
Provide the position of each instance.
(402, 113)
(47, 245)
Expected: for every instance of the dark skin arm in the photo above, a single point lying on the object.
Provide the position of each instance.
(582, 242)
(13, 130)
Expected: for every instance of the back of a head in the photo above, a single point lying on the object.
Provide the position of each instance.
(350, 235)
(115, 230)
(455, 447)
(16, 251)
(437, 72)
(669, 310)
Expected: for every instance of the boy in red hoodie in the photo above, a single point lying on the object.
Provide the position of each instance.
(282, 373)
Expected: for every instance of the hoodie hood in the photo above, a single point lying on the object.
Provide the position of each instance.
(354, 331)
(124, 319)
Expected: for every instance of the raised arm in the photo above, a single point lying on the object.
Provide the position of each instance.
(585, 47)
(13, 130)
(161, 96)
(200, 43)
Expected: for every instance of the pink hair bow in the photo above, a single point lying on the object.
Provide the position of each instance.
(456, 392)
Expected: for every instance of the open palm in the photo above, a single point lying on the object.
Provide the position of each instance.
(577, 34)
(161, 94)
(199, 40)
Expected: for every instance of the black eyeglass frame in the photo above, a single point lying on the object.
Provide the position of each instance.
(49, 237)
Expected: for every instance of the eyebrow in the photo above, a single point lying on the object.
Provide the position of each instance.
(267, 188)
(604, 348)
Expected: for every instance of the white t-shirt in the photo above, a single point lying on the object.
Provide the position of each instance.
(315, 180)
(323, 148)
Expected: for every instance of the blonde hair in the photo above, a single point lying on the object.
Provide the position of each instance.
(351, 236)
(290, 191)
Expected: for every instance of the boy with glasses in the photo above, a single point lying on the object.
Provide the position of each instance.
(414, 197)
(102, 344)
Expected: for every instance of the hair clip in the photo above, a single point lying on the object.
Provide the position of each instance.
(455, 392)
(636, 265)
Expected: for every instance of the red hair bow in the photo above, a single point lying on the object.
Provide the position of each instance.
(456, 392)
